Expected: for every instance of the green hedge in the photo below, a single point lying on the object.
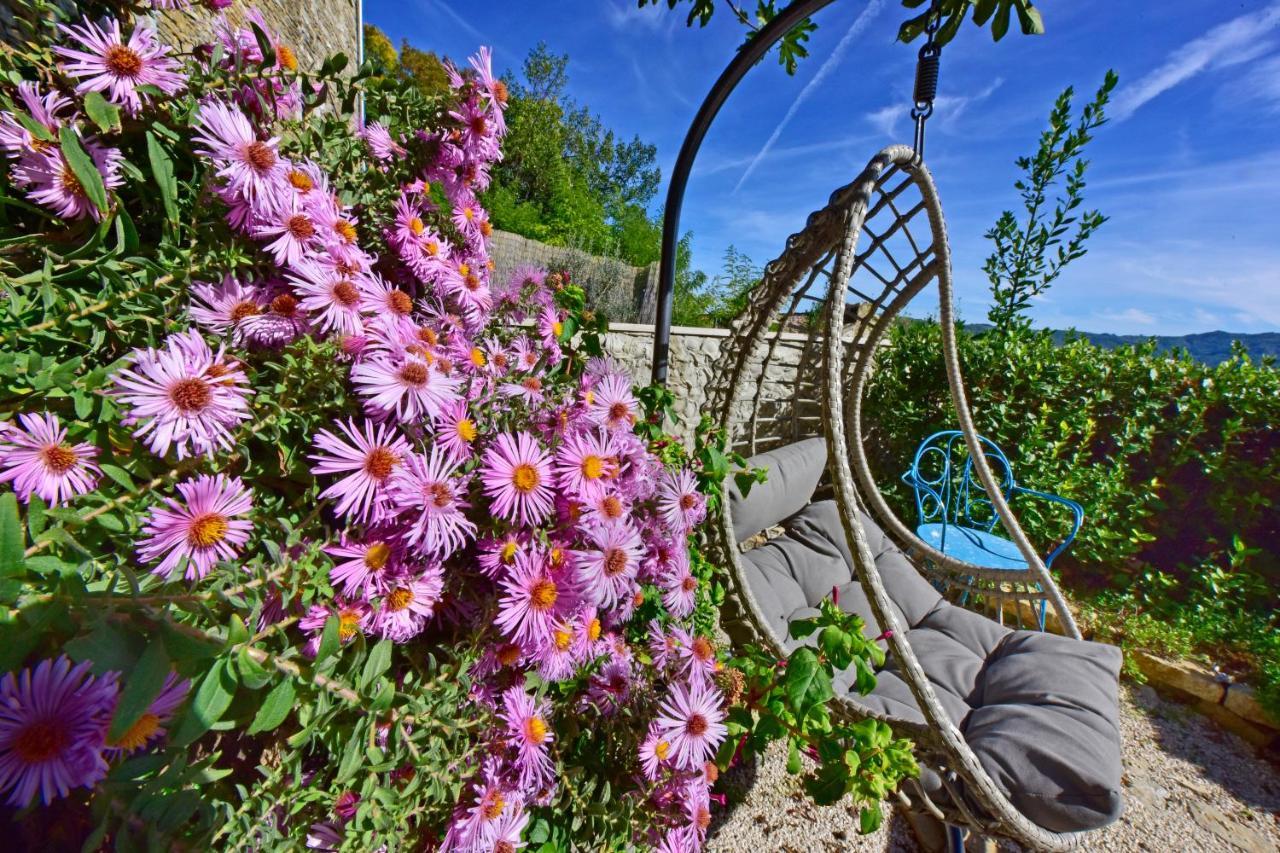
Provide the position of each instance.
(1171, 458)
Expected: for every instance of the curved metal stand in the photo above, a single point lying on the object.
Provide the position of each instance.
(751, 53)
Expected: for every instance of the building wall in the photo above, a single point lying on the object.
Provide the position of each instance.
(314, 30)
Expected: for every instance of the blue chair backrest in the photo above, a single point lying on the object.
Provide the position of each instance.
(947, 490)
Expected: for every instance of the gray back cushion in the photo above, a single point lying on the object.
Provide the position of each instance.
(794, 472)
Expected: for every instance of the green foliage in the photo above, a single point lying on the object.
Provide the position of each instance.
(793, 699)
(1028, 256)
(792, 47)
(1171, 459)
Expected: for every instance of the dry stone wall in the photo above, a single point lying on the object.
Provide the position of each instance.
(696, 361)
(313, 30)
(612, 286)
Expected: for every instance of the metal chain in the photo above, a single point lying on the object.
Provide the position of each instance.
(928, 63)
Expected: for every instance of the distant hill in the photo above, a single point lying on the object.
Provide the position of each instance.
(1209, 347)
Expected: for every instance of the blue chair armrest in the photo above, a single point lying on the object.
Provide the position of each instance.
(1077, 513)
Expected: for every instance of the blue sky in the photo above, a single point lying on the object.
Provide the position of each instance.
(1188, 169)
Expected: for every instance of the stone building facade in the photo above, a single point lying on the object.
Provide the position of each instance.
(313, 30)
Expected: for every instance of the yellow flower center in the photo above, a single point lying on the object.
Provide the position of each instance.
(592, 467)
(375, 559)
(122, 61)
(348, 625)
(346, 230)
(535, 730)
(509, 552)
(557, 328)
(593, 630)
(58, 458)
(662, 749)
(543, 595)
(300, 181)
(525, 477)
(399, 598)
(207, 530)
(416, 226)
(286, 57)
(477, 357)
(380, 462)
(562, 640)
(466, 430)
(494, 804)
(138, 734)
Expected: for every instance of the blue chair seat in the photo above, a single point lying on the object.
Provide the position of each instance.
(973, 546)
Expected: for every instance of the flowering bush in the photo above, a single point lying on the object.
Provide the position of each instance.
(317, 532)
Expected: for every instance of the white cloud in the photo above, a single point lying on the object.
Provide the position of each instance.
(447, 10)
(859, 24)
(946, 110)
(1260, 84)
(1135, 316)
(1218, 48)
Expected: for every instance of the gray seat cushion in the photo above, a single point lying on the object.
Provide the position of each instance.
(794, 472)
(1040, 711)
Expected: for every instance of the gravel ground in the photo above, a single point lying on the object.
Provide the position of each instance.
(1188, 786)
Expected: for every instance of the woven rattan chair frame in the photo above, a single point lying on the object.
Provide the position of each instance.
(888, 199)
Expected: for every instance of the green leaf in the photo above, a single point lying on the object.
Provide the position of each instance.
(83, 167)
(807, 682)
(350, 757)
(35, 128)
(162, 171)
(264, 45)
(379, 661)
(104, 114)
(329, 640)
(12, 541)
(793, 757)
(275, 708)
(869, 819)
(212, 699)
(140, 690)
(118, 474)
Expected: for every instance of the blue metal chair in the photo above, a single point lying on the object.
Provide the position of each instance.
(957, 517)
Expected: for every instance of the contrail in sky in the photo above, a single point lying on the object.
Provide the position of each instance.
(855, 29)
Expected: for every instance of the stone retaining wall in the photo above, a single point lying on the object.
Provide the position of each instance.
(313, 30)
(695, 360)
(612, 286)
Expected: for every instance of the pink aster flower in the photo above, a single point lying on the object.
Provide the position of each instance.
(203, 529)
(353, 615)
(282, 323)
(695, 655)
(612, 404)
(517, 477)
(409, 605)
(380, 143)
(528, 732)
(610, 689)
(585, 463)
(106, 63)
(251, 166)
(456, 430)
(679, 590)
(608, 568)
(503, 833)
(408, 388)
(150, 725)
(368, 456)
(51, 182)
(528, 389)
(429, 494)
(498, 554)
(366, 567)
(691, 718)
(679, 503)
(290, 233)
(654, 754)
(183, 395)
(39, 460)
(494, 89)
(332, 298)
(220, 308)
(53, 723)
(534, 599)
(49, 110)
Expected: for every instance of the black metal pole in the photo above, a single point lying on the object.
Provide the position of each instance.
(749, 55)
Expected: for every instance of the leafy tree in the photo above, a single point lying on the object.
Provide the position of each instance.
(1029, 255)
(379, 50)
